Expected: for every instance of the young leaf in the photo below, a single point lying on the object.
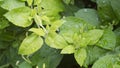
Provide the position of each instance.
(77, 39)
(29, 2)
(12, 4)
(38, 31)
(68, 50)
(20, 16)
(104, 62)
(68, 36)
(72, 26)
(55, 40)
(46, 19)
(37, 2)
(30, 44)
(93, 35)
(80, 56)
(38, 20)
(56, 25)
(84, 41)
(90, 38)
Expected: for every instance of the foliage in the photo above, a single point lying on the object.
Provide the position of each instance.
(38, 33)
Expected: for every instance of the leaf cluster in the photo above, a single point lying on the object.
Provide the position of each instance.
(38, 33)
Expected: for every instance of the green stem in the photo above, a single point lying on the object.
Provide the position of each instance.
(26, 59)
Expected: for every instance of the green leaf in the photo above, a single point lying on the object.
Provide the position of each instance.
(80, 56)
(88, 15)
(104, 62)
(52, 5)
(56, 25)
(71, 26)
(90, 37)
(116, 66)
(56, 41)
(7, 36)
(76, 23)
(93, 53)
(12, 4)
(51, 8)
(3, 45)
(117, 33)
(108, 40)
(46, 19)
(47, 56)
(68, 50)
(38, 20)
(67, 36)
(4, 23)
(77, 40)
(20, 16)
(67, 1)
(105, 10)
(38, 31)
(23, 0)
(25, 65)
(30, 44)
(37, 2)
(93, 35)
(29, 2)
(84, 41)
(116, 7)
(2, 12)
